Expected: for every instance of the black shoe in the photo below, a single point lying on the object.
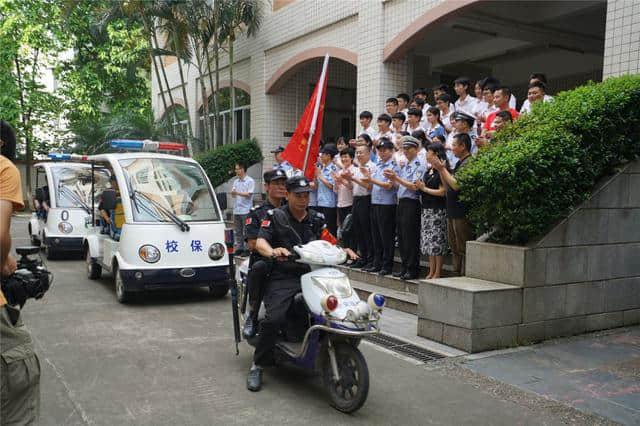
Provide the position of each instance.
(409, 276)
(399, 274)
(249, 328)
(384, 272)
(372, 269)
(254, 379)
(358, 264)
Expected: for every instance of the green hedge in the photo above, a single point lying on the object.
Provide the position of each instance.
(548, 161)
(219, 164)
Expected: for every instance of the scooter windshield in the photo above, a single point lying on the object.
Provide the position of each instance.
(338, 286)
(176, 186)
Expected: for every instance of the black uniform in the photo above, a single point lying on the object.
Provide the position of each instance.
(258, 268)
(284, 281)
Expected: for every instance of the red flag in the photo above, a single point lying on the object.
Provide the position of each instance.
(328, 237)
(309, 129)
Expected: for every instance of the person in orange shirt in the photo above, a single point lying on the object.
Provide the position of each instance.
(20, 368)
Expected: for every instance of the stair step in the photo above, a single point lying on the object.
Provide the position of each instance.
(399, 300)
(387, 281)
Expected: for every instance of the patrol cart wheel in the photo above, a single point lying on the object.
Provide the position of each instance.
(49, 253)
(350, 392)
(122, 295)
(218, 291)
(94, 271)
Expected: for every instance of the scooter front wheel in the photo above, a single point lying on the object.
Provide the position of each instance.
(350, 392)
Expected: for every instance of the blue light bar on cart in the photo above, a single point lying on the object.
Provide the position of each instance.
(60, 156)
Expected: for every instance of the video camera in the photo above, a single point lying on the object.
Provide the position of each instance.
(31, 279)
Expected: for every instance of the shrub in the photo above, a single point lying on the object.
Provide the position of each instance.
(219, 164)
(548, 161)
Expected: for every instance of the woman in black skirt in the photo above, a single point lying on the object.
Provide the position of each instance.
(433, 241)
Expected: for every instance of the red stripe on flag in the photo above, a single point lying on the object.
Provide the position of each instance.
(296, 149)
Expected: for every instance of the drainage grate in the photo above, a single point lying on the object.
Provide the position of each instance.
(404, 348)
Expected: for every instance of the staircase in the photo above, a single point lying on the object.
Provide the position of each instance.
(400, 294)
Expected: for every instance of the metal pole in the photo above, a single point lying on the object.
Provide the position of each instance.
(93, 201)
(312, 128)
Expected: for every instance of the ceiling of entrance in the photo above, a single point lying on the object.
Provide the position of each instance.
(499, 31)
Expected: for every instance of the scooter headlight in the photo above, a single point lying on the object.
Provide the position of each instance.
(329, 303)
(216, 251)
(65, 227)
(149, 253)
(376, 301)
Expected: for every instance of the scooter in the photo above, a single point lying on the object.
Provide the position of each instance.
(334, 320)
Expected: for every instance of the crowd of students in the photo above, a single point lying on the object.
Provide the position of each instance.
(398, 181)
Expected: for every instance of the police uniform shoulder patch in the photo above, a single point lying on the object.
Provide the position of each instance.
(248, 220)
(265, 223)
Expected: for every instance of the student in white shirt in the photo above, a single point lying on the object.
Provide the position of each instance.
(365, 122)
(242, 192)
(422, 93)
(391, 106)
(443, 102)
(413, 120)
(403, 104)
(418, 103)
(465, 103)
(439, 90)
(384, 129)
(536, 78)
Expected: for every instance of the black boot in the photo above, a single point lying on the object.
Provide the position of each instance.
(249, 328)
(254, 379)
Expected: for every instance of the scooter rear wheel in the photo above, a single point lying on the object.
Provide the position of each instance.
(350, 392)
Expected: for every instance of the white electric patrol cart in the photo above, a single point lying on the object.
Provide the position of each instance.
(158, 223)
(62, 202)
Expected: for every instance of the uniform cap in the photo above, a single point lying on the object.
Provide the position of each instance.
(298, 184)
(409, 142)
(464, 116)
(330, 149)
(278, 150)
(386, 143)
(271, 175)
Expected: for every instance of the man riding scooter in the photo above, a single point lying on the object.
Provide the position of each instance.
(280, 231)
(274, 185)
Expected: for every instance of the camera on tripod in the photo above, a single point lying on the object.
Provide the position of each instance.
(31, 279)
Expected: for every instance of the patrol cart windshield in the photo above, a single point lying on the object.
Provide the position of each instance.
(164, 187)
(72, 186)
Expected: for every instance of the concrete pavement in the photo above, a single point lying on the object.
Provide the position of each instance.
(169, 359)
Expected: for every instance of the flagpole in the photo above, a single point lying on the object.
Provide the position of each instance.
(312, 128)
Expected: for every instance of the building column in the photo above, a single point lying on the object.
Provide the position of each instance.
(376, 80)
(622, 38)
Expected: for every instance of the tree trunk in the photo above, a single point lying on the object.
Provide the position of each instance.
(205, 105)
(166, 82)
(216, 105)
(186, 105)
(232, 92)
(26, 136)
(155, 67)
(214, 93)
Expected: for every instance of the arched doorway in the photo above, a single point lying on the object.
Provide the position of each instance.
(290, 88)
(509, 40)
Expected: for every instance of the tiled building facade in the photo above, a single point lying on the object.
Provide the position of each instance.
(384, 47)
